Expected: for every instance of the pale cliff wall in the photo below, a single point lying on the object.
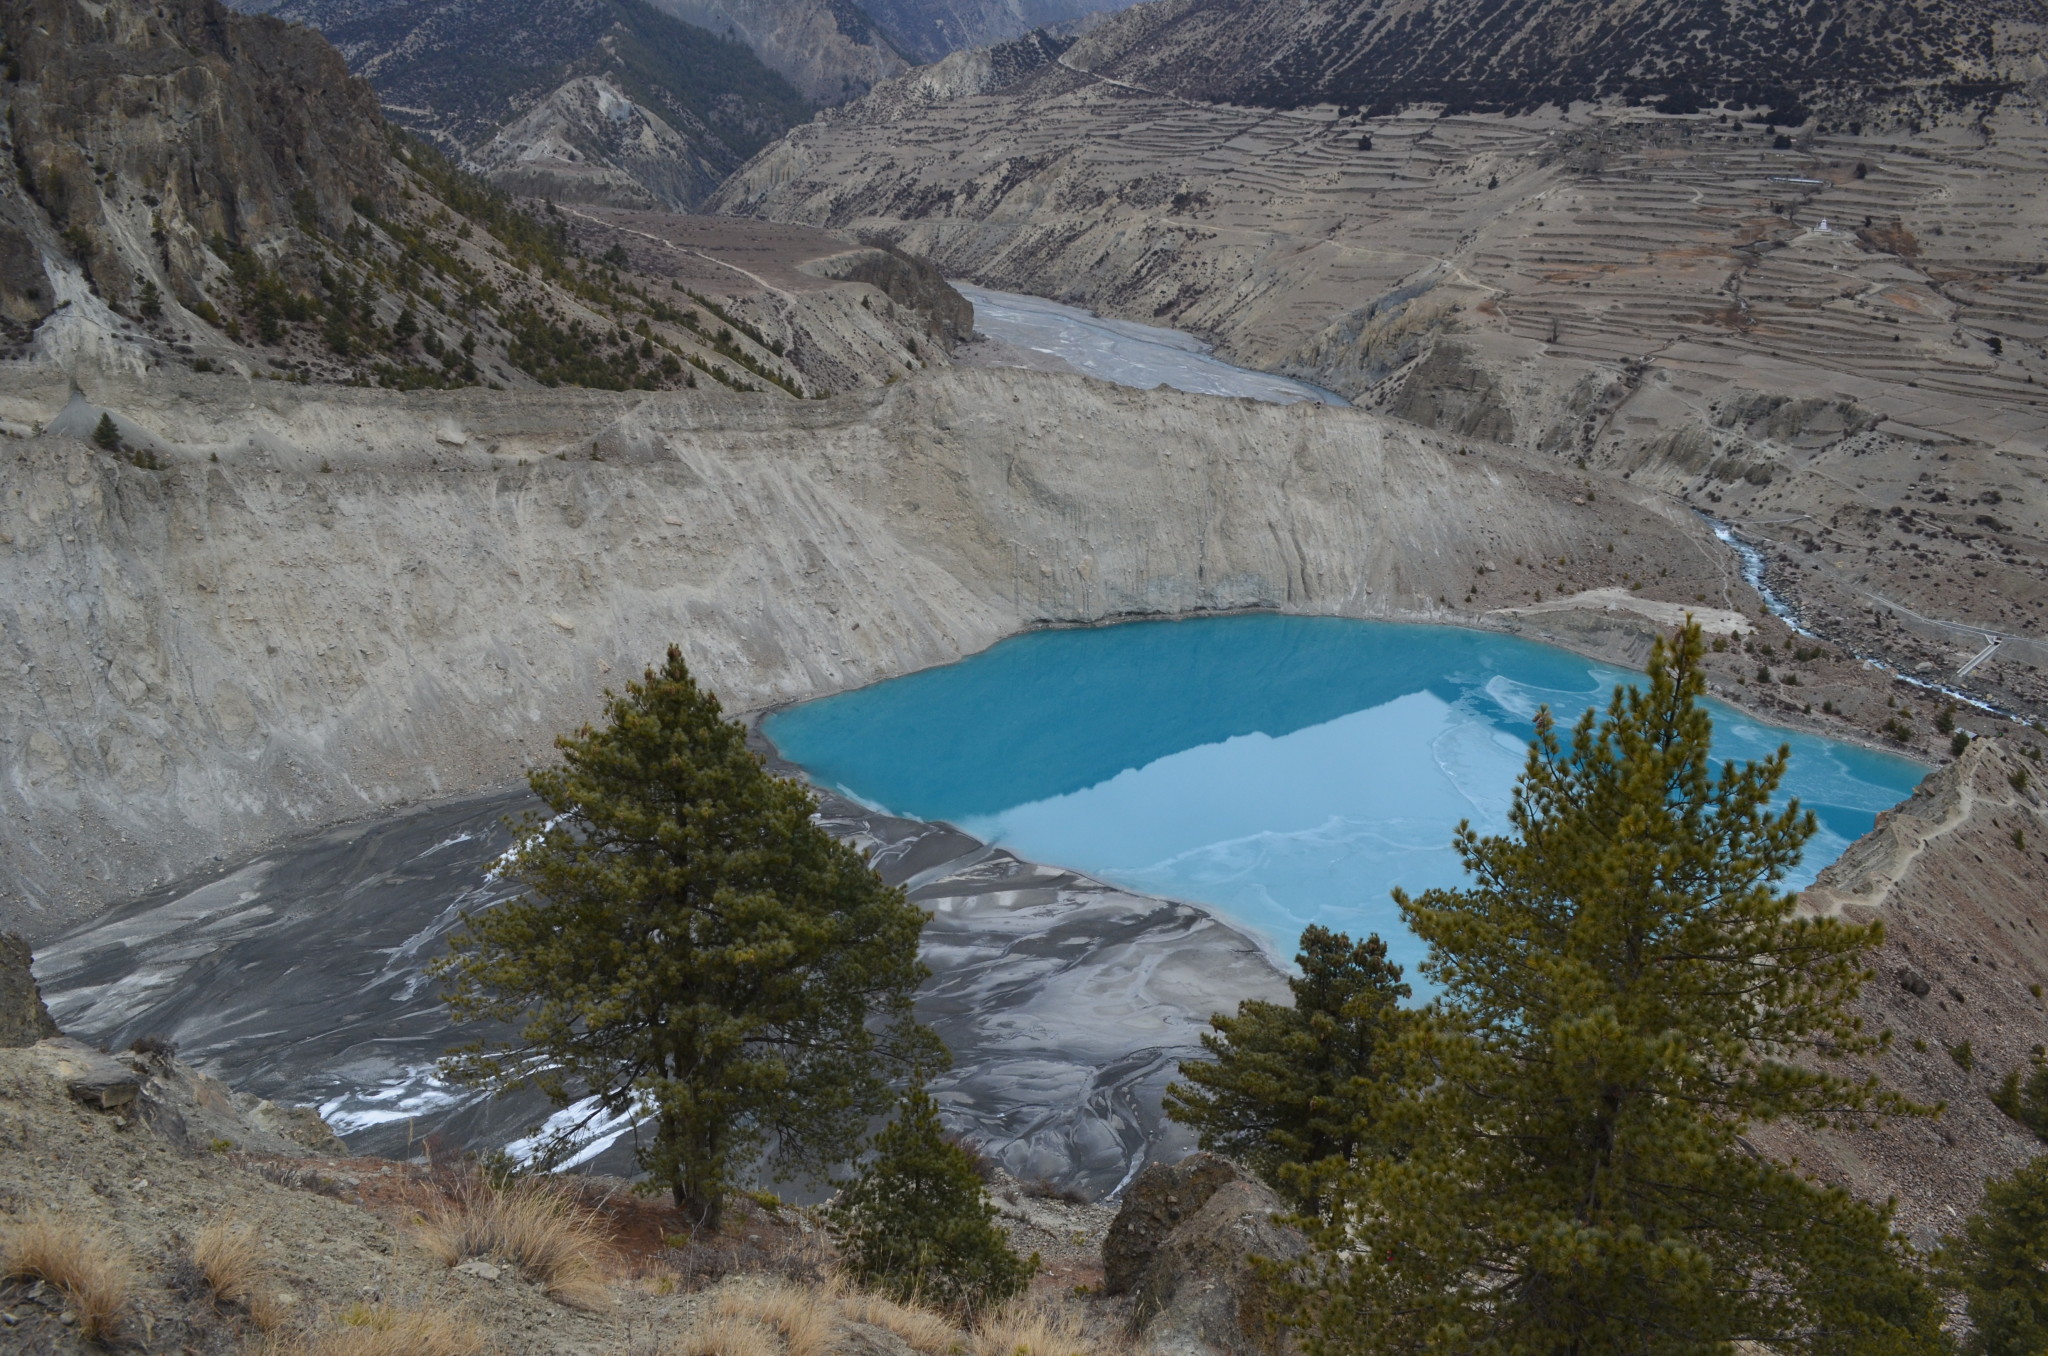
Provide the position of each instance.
(370, 598)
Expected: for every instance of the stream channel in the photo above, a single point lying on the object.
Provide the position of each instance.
(1207, 787)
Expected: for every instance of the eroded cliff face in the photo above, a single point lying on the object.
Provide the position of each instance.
(145, 134)
(371, 598)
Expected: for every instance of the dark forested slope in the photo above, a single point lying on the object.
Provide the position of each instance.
(459, 70)
(1781, 57)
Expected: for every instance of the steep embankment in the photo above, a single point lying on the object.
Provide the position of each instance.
(1957, 876)
(370, 598)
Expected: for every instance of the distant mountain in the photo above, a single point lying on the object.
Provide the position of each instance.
(831, 50)
(699, 103)
(828, 51)
(928, 30)
(588, 142)
(1780, 56)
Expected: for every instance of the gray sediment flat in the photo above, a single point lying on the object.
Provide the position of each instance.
(300, 976)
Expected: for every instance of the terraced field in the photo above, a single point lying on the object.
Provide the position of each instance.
(1834, 341)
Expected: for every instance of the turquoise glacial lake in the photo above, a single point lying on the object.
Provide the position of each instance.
(1279, 770)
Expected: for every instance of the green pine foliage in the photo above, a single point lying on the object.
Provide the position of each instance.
(1624, 991)
(106, 435)
(1287, 1091)
(2024, 1097)
(917, 1225)
(695, 951)
(2000, 1263)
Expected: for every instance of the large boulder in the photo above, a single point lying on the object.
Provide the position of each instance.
(23, 1018)
(1163, 1197)
(1188, 1246)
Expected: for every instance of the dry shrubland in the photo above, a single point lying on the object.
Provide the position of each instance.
(723, 1335)
(747, 1316)
(85, 1264)
(230, 1259)
(800, 1314)
(1032, 1325)
(924, 1330)
(532, 1224)
(377, 1330)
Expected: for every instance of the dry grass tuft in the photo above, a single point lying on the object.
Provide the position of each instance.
(229, 1256)
(87, 1266)
(1032, 1326)
(270, 1310)
(534, 1225)
(923, 1329)
(799, 1313)
(374, 1330)
(722, 1335)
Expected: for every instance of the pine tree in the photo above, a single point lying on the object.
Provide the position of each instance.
(916, 1224)
(2024, 1096)
(106, 435)
(1624, 992)
(695, 951)
(2001, 1265)
(1286, 1091)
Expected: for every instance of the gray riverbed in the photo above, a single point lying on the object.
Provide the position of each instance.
(1016, 330)
(299, 976)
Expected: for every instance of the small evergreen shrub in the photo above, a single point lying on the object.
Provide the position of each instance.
(1998, 1264)
(916, 1225)
(2024, 1097)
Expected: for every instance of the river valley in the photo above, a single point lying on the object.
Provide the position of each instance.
(897, 530)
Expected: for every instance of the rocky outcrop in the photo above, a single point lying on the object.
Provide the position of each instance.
(194, 1111)
(907, 281)
(1187, 1245)
(23, 1018)
(1162, 1198)
(372, 597)
(144, 134)
(176, 1100)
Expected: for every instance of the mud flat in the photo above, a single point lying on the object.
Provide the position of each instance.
(1067, 1003)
